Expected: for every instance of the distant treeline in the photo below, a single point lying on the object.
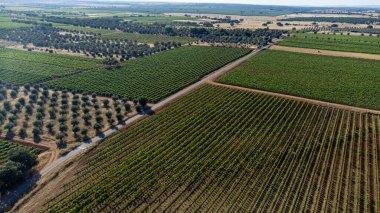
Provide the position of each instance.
(51, 37)
(335, 20)
(242, 36)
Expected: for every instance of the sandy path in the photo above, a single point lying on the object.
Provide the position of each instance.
(327, 52)
(301, 99)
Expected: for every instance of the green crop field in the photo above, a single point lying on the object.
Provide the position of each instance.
(346, 43)
(336, 79)
(6, 22)
(7, 146)
(157, 18)
(114, 34)
(224, 150)
(156, 76)
(20, 67)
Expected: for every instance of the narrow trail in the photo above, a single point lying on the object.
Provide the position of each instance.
(326, 52)
(297, 98)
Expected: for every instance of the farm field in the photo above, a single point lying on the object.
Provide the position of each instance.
(326, 52)
(351, 20)
(230, 9)
(347, 43)
(230, 151)
(335, 79)
(156, 76)
(6, 146)
(6, 22)
(157, 18)
(114, 34)
(21, 67)
(38, 114)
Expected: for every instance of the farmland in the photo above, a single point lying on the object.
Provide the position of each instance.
(6, 22)
(335, 79)
(35, 113)
(115, 34)
(351, 20)
(230, 151)
(347, 43)
(156, 76)
(6, 146)
(28, 67)
(114, 106)
(157, 18)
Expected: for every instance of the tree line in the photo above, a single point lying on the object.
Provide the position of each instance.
(206, 34)
(45, 35)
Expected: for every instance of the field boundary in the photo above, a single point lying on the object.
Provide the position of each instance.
(326, 52)
(301, 99)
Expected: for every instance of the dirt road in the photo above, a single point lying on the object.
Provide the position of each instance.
(326, 52)
(57, 163)
(296, 98)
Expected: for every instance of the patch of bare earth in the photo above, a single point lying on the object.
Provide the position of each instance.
(326, 52)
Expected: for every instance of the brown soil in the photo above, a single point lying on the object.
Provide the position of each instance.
(326, 52)
(296, 98)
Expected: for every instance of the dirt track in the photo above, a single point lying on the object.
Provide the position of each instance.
(296, 98)
(326, 52)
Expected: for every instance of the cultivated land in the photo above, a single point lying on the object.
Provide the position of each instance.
(156, 76)
(7, 146)
(347, 43)
(6, 22)
(205, 146)
(228, 151)
(20, 67)
(39, 114)
(336, 79)
(327, 52)
(157, 18)
(115, 34)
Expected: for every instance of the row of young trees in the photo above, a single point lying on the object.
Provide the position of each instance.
(205, 34)
(89, 44)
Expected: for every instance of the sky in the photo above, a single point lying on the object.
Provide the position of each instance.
(285, 2)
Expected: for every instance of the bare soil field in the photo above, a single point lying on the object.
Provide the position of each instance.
(326, 52)
(256, 22)
(304, 15)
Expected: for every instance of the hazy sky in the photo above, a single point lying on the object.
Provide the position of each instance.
(287, 2)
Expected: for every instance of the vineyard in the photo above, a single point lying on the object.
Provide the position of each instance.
(336, 79)
(156, 76)
(20, 67)
(346, 43)
(6, 146)
(230, 151)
